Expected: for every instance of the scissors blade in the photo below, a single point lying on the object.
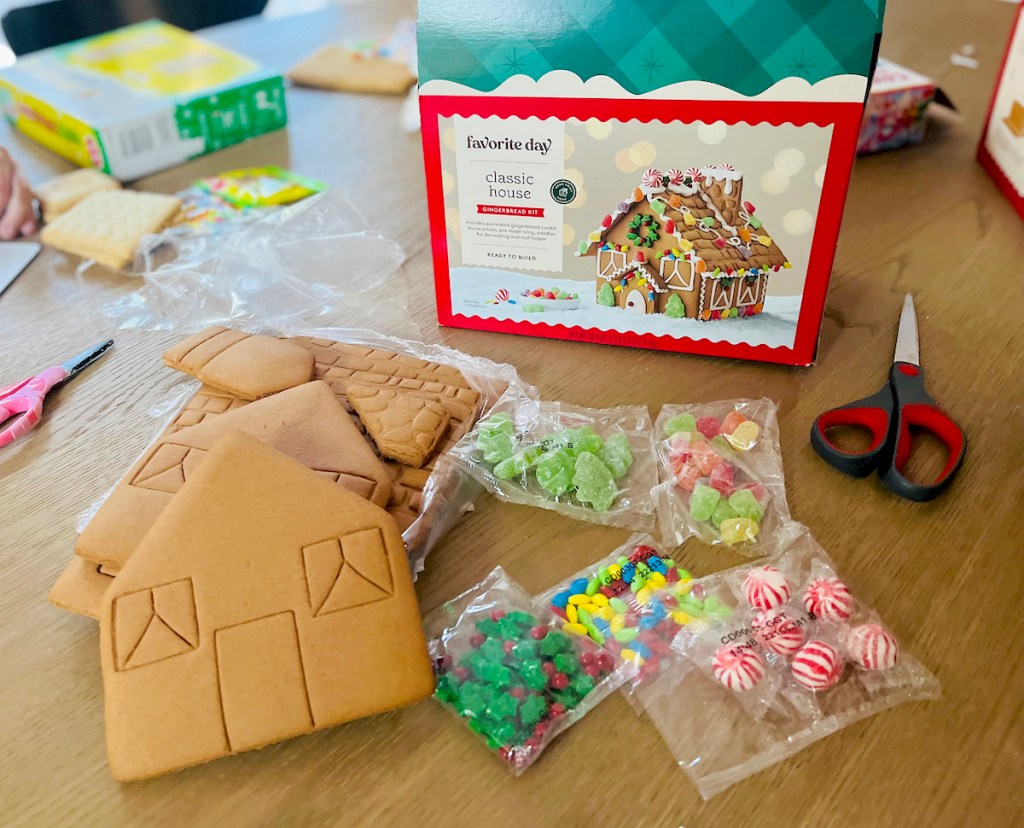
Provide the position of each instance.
(87, 357)
(907, 346)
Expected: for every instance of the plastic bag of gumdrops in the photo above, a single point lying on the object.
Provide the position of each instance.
(631, 603)
(507, 670)
(722, 479)
(591, 464)
(834, 662)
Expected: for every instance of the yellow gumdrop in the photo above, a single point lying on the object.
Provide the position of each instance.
(579, 598)
(629, 655)
(605, 613)
(617, 622)
(738, 530)
(765, 240)
(592, 609)
(744, 436)
(575, 629)
(681, 618)
(594, 237)
(656, 580)
(571, 614)
(600, 599)
(643, 596)
(684, 587)
(614, 571)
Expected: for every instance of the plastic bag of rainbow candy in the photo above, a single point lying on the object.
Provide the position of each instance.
(722, 481)
(632, 604)
(505, 667)
(800, 657)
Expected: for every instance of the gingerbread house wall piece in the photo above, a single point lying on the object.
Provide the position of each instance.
(690, 234)
(265, 603)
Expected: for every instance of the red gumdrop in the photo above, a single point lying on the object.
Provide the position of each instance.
(536, 292)
(508, 647)
(461, 673)
(549, 668)
(559, 681)
(517, 692)
(604, 662)
(497, 615)
(720, 243)
(642, 553)
(549, 295)
(538, 632)
(709, 426)
(592, 670)
(756, 489)
(716, 314)
(540, 729)
(607, 591)
(556, 709)
(722, 479)
(606, 222)
(587, 658)
(477, 640)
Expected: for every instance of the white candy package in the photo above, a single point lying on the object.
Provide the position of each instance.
(722, 481)
(593, 464)
(800, 656)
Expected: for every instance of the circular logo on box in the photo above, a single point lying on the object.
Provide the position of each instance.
(563, 191)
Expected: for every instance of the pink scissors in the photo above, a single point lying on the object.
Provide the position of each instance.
(23, 403)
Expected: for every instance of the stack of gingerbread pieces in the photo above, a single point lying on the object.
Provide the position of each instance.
(261, 534)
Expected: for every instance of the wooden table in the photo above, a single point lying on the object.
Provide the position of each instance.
(946, 575)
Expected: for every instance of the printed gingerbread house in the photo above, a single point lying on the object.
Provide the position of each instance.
(686, 244)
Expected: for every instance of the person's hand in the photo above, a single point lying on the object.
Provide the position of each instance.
(17, 213)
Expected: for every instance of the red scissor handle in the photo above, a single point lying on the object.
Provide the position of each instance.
(871, 413)
(21, 405)
(916, 411)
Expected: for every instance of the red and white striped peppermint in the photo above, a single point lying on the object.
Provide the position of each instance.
(873, 647)
(766, 588)
(675, 176)
(738, 668)
(777, 633)
(817, 666)
(651, 180)
(828, 599)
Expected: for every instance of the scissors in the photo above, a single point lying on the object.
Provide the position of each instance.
(26, 397)
(890, 415)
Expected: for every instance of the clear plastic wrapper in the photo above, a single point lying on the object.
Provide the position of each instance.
(593, 464)
(722, 480)
(630, 603)
(505, 668)
(802, 657)
(316, 262)
(448, 492)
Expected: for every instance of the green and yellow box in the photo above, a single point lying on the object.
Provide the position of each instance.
(140, 99)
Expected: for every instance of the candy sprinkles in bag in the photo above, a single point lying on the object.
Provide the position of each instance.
(590, 464)
(798, 657)
(505, 667)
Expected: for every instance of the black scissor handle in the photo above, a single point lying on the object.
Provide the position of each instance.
(873, 413)
(914, 409)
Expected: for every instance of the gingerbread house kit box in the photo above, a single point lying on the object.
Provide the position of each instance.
(665, 176)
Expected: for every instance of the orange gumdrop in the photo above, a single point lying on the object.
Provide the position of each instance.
(638, 194)
(705, 315)
(675, 202)
(744, 234)
(758, 307)
(701, 266)
(731, 422)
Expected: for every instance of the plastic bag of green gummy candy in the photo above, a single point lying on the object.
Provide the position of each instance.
(591, 464)
(505, 667)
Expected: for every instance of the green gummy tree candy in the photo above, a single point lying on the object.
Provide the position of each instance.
(681, 422)
(554, 471)
(674, 308)
(606, 296)
(495, 446)
(594, 483)
(497, 422)
(514, 466)
(533, 709)
(616, 455)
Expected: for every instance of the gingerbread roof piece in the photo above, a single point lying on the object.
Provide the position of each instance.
(405, 427)
(265, 603)
(80, 588)
(306, 423)
(243, 364)
(704, 219)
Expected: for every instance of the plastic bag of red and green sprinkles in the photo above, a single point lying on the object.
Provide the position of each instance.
(508, 671)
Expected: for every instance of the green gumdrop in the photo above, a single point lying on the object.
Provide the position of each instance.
(723, 511)
(619, 606)
(745, 505)
(674, 308)
(514, 466)
(703, 501)
(533, 309)
(606, 296)
(555, 472)
(593, 586)
(594, 483)
(680, 422)
(626, 634)
(496, 446)
(616, 455)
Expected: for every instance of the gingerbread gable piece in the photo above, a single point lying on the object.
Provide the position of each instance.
(306, 423)
(265, 603)
(686, 244)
